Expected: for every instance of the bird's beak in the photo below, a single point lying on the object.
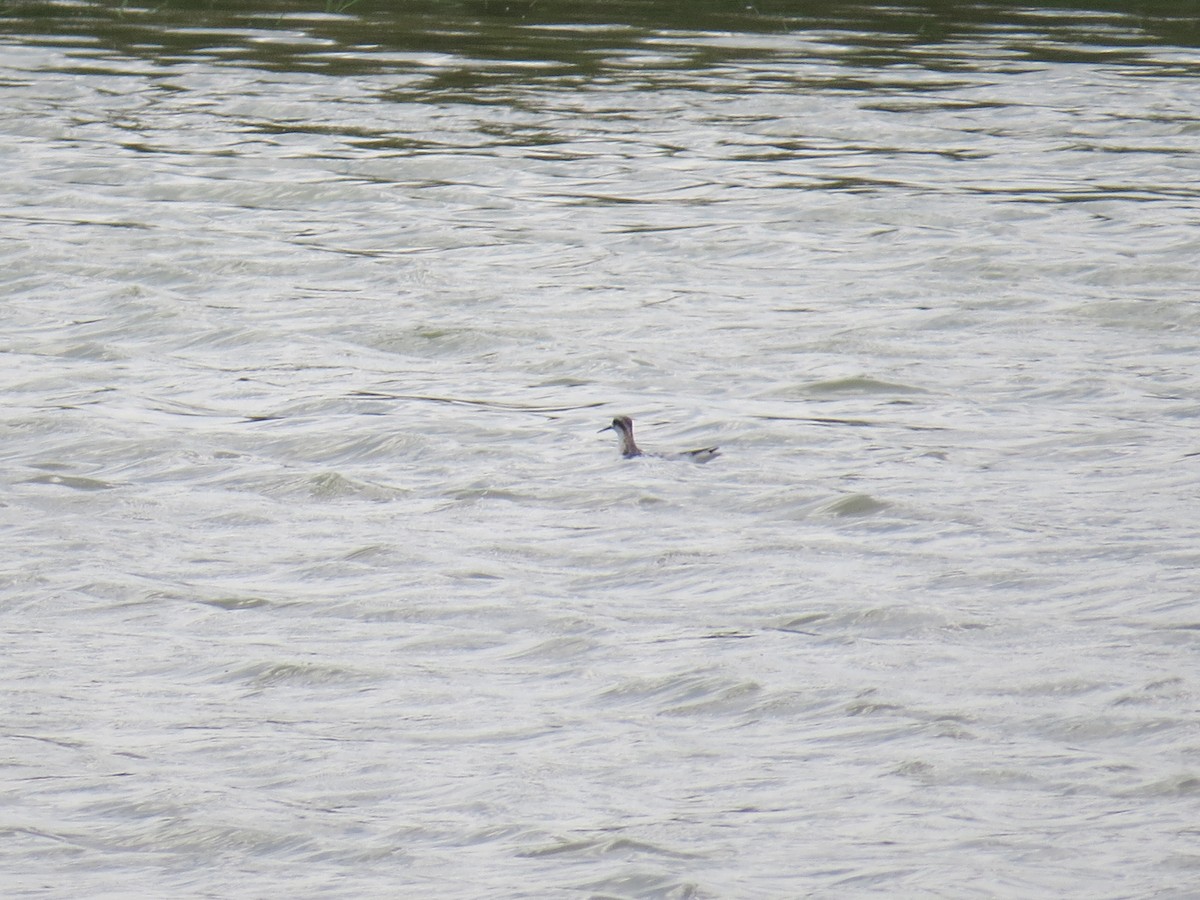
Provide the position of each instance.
(604, 429)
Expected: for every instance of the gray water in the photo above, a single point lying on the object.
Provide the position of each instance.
(318, 580)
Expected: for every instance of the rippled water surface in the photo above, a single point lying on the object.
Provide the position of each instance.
(318, 580)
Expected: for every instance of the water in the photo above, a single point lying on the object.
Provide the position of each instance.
(318, 578)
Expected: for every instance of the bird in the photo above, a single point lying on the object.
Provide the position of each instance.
(623, 426)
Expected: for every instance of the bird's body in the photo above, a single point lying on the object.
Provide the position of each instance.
(623, 426)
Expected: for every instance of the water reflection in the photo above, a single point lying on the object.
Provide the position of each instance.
(467, 46)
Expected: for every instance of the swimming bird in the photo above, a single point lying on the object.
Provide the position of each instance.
(623, 426)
